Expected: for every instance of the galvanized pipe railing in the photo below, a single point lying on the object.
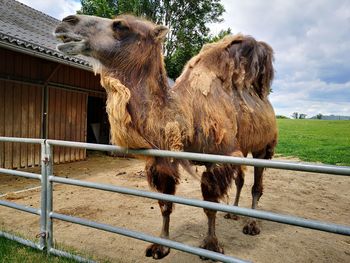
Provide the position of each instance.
(20, 240)
(149, 238)
(23, 208)
(297, 221)
(48, 178)
(305, 167)
(42, 211)
(270, 216)
(20, 173)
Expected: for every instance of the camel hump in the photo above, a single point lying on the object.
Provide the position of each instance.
(235, 62)
(253, 63)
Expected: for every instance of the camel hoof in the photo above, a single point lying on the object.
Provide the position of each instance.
(157, 251)
(231, 216)
(251, 228)
(211, 244)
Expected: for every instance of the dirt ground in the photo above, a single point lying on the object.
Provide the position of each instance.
(307, 195)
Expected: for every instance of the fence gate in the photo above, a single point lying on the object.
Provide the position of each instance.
(47, 215)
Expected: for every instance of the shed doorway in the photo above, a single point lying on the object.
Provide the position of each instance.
(97, 121)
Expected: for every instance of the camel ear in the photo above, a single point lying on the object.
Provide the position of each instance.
(159, 32)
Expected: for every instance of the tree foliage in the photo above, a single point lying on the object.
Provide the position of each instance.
(187, 22)
(220, 35)
(102, 8)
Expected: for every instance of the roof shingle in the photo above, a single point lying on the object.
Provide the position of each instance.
(25, 27)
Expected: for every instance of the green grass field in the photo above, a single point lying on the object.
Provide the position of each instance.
(315, 140)
(13, 252)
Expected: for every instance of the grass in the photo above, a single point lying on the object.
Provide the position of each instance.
(315, 140)
(13, 252)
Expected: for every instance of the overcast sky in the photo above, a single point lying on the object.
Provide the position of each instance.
(311, 40)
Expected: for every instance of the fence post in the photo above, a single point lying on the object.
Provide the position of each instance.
(43, 233)
(49, 172)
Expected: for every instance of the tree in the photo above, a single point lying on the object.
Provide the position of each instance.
(187, 22)
(302, 116)
(319, 116)
(281, 117)
(102, 8)
(219, 36)
(295, 115)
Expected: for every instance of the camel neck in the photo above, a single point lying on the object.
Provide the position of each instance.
(146, 83)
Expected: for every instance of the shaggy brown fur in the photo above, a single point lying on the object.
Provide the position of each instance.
(218, 105)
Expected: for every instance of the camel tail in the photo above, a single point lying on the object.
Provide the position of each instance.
(186, 165)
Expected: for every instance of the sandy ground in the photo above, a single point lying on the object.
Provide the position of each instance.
(307, 195)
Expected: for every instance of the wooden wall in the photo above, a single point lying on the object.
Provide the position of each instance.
(20, 116)
(22, 81)
(67, 121)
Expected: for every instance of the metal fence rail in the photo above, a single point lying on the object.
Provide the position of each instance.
(148, 238)
(305, 167)
(285, 219)
(47, 214)
(40, 212)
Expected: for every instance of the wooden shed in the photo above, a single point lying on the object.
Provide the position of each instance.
(43, 93)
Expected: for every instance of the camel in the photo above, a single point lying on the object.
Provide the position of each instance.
(218, 105)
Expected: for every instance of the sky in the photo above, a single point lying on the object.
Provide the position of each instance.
(311, 41)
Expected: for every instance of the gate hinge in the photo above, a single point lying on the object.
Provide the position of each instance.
(46, 159)
(42, 235)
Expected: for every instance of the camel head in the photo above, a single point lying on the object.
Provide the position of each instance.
(123, 43)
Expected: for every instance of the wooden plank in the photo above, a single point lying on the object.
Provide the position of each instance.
(79, 124)
(74, 130)
(68, 124)
(2, 120)
(31, 124)
(9, 62)
(17, 124)
(8, 123)
(8, 70)
(38, 121)
(82, 102)
(24, 125)
(81, 117)
(84, 114)
(50, 116)
(35, 72)
(56, 116)
(62, 123)
(2, 61)
(20, 101)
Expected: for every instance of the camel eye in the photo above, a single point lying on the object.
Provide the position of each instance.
(119, 26)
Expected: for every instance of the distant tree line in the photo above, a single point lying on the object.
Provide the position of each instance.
(297, 115)
(187, 22)
(319, 116)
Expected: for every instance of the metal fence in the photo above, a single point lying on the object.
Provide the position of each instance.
(47, 214)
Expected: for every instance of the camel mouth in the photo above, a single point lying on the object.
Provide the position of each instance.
(72, 44)
(65, 38)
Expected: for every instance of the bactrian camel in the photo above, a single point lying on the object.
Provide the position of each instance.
(219, 105)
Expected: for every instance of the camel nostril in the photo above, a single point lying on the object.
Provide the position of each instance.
(72, 19)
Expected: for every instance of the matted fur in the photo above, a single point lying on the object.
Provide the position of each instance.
(219, 105)
(122, 131)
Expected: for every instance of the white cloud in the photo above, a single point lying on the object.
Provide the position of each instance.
(311, 40)
(55, 8)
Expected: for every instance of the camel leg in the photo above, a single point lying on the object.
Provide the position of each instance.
(163, 176)
(239, 181)
(251, 227)
(215, 182)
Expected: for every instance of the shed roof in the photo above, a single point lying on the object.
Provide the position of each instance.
(30, 31)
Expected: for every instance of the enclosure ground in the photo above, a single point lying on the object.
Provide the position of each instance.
(314, 196)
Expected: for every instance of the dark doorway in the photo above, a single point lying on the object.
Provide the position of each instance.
(97, 121)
